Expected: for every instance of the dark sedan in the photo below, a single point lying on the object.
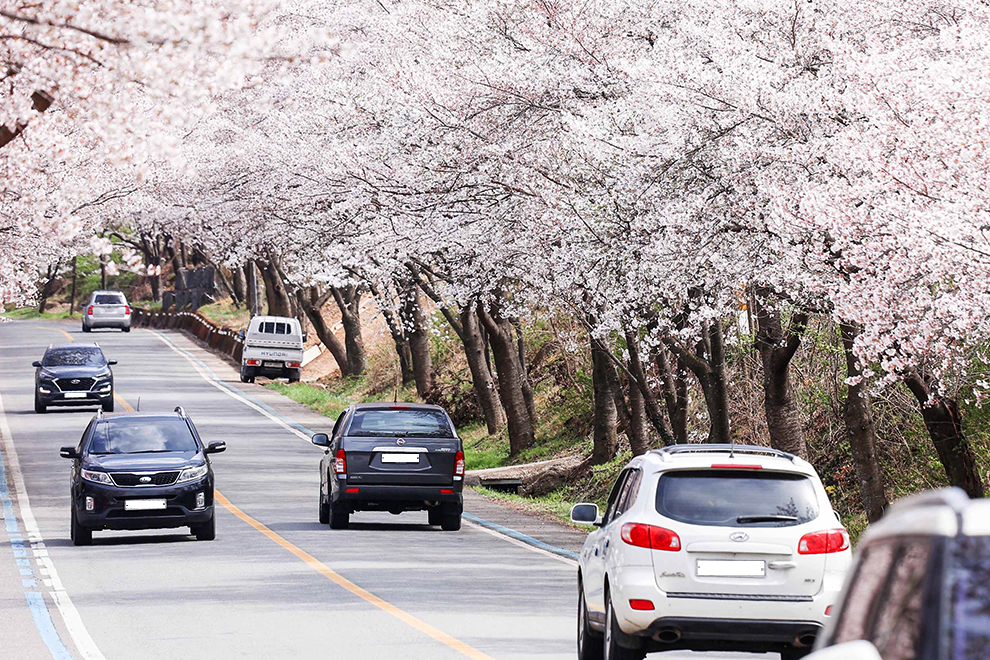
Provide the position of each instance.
(141, 472)
(73, 375)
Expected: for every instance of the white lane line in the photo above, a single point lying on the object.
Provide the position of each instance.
(212, 380)
(70, 615)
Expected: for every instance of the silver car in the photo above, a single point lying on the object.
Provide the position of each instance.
(107, 309)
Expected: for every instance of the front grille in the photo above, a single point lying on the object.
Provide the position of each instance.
(75, 384)
(132, 479)
(170, 512)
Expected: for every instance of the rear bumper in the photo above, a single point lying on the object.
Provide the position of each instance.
(758, 635)
(399, 496)
(112, 322)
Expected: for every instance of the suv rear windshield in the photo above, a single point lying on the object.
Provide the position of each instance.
(970, 578)
(109, 299)
(737, 498)
(142, 436)
(399, 422)
(74, 356)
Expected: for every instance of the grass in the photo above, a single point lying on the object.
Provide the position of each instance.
(555, 504)
(330, 400)
(226, 313)
(23, 313)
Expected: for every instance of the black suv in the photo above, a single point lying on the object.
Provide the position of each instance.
(73, 375)
(392, 457)
(141, 472)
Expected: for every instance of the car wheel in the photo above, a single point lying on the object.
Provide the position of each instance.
(435, 516)
(339, 516)
(108, 404)
(613, 651)
(126, 329)
(324, 509)
(793, 653)
(79, 534)
(450, 518)
(39, 407)
(589, 643)
(207, 531)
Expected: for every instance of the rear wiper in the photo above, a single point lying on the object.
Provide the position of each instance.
(767, 517)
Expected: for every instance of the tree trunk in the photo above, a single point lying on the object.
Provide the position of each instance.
(394, 323)
(484, 384)
(675, 393)
(776, 350)
(46, 290)
(648, 400)
(311, 302)
(858, 417)
(253, 295)
(944, 423)
(606, 442)
(639, 433)
(527, 387)
(103, 273)
(348, 301)
(707, 363)
(240, 286)
(419, 340)
(275, 290)
(522, 427)
(72, 295)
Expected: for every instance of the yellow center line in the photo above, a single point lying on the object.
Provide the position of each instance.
(67, 335)
(340, 580)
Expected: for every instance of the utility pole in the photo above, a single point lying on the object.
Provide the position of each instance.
(72, 296)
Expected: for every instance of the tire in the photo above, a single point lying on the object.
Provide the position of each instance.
(612, 650)
(126, 329)
(793, 653)
(590, 645)
(39, 407)
(295, 375)
(108, 404)
(84, 328)
(450, 518)
(247, 375)
(79, 534)
(435, 516)
(207, 531)
(339, 516)
(324, 510)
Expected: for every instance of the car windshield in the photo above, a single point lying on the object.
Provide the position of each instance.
(399, 422)
(74, 356)
(109, 299)
(970, 580)
(142, 436)
(737, 498)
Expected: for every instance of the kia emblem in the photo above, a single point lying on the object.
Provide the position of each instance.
(400, 442)
(739, 537)
(145, 480)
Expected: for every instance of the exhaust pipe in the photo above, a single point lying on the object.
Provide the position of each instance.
(668, 635)
(805, 640)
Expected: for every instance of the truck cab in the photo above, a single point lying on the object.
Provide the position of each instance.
(273, 347)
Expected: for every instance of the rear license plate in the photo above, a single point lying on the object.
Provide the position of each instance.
(75, 395)
(273, 364)
(730, 568)
(400, 458)
(143, 505)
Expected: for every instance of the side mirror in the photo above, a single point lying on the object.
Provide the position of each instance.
(242, 334)
(216, 447)
(68, 452)
(584, 514)
(304, 337)
(36, 364)
(111, 362)
(858, 650)
(321, 439)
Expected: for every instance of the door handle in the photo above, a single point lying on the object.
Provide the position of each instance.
(607, 542)
(781, 565)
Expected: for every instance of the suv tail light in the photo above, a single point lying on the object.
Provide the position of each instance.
(127, 310)
(89, 310)
(649, 536)
(459, 464)
(822, 543)
(340, 463)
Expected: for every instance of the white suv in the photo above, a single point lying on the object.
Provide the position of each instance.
(709, 547)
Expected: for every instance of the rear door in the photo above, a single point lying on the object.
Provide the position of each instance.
(740, 531)
(400, 445)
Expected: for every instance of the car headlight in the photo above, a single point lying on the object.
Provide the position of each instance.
(46, 375)
(103, 375)
(193, 473)
(97, 477)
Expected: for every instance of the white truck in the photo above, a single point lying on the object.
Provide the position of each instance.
(273, 347)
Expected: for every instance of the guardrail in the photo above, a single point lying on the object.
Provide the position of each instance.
(217, 338)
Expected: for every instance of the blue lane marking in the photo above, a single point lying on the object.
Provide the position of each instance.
(529, 540)
(35, 601)
(39, 610)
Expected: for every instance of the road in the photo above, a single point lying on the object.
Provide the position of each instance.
(275, 583)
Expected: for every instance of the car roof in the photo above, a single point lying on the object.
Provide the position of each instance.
(701, 456)
(132, 415)
(53, 347)
(401, 405)
(942, 512)
(274, 318)
(108, 291)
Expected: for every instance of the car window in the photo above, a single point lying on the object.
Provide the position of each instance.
(898, 623)
(864, 592)
(628, 495)
(109, 299)
(737, 498)
(74, 356)
(613, 497)
(969, 580)
(142, 436)
(337, 424)
(275, 328)
(399, 422)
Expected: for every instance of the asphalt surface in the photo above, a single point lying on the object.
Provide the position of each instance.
(275, 583)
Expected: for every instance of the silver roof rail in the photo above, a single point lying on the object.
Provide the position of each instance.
(180, 411)
(99, 413)
(722, 449)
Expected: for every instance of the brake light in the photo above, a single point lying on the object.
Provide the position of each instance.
(353, 490)
(735, 466)
(89, 311)
(127, 310)
(828, 611)
(459, 464)
(398, 407)
(649, 536)
(825, 542)
(253, 363)
(292, 365)
(340, 463)
(446, 492)
(641, 604)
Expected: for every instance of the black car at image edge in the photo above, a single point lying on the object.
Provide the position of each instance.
(73, 375)
(141, 471)
(392, 457)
